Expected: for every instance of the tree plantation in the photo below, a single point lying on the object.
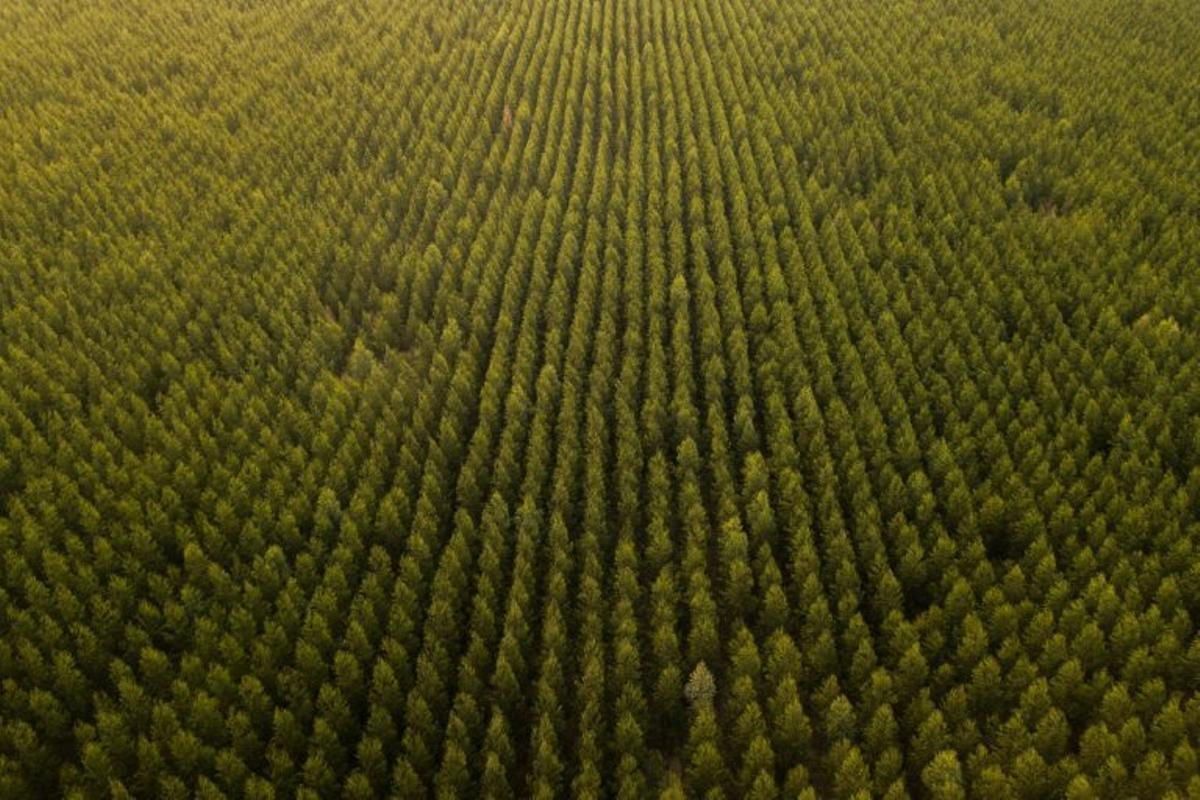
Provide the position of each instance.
(600, 398)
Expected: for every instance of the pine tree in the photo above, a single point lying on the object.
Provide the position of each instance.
(706, 771)
(943, 778)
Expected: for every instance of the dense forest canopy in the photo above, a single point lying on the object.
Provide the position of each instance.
(603, 398)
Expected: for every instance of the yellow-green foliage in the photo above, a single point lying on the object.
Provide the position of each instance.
(620, 398)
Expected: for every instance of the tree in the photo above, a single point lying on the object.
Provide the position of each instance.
(852, 778)
(701, 689)
(498, 755)
(547, 768)
(706, 770)
(943, 778)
